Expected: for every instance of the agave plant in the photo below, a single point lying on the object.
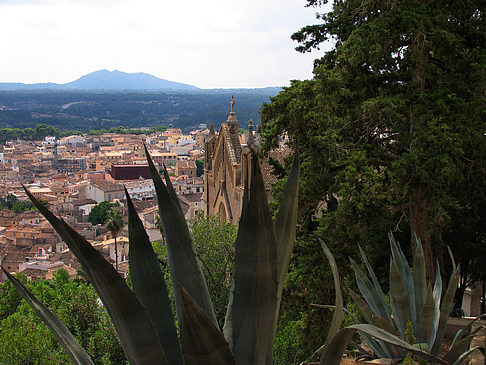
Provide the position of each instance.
(419, 312)
(143, 318)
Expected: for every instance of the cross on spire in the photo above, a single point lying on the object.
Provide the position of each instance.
(232, 104)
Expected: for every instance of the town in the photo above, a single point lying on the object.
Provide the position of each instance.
(77, 175)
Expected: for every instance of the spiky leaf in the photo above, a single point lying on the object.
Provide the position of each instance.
(149, 285)
(183, 263)
(337, 316)
(202, 342)
(255, 276)
(137, 335)
(399, 299)
(445, 310)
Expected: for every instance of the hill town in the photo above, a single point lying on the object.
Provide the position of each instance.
(75, 174)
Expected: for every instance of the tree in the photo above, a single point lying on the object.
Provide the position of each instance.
(98, 214)
(25, 339)
(114, 224)
(214, 242)
(393, 120)
(199, 167)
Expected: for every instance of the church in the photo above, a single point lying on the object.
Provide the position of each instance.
(226, 165)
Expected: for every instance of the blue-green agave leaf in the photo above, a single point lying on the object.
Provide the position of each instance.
(419, 280)
(466, 331)
(445, 309)
(340, 342)
(136, 331)
(458, 349)
(426, 318)
(404, 270)
(337, 316)
(183, 263)
(60, 331)
(399, 299)
(255, 276)
(468, 353)
(149, 285)
(381, 302)
(367, 289)
(363, 308)
(202, 342)
(437, 293)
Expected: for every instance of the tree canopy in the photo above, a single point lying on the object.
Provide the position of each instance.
(391, 130)
(393, 123)
(99, 213)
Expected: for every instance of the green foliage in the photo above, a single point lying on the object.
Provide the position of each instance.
(99, 213)
(25, 339)
(17, 205)
(214, 242)
(199, 167)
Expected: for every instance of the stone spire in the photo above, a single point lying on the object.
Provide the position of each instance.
(232, 122)
(250, 133)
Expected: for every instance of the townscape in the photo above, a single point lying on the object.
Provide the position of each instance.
(74, 174)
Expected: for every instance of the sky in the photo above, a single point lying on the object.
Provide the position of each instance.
(205, 43)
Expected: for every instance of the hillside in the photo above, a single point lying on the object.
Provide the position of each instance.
(95, 110)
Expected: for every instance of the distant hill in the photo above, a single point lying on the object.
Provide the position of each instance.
(117, 80)
(107, 80)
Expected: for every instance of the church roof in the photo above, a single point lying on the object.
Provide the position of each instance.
(232, 144)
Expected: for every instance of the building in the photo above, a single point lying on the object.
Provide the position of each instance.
(225, 170)
(103, 190)
(130, 172)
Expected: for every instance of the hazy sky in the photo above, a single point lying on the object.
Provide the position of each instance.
(206, 43)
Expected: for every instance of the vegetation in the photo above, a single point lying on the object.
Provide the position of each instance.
(391, 130)
(99, 213)
(91, 111)
(17, 205)
(25, 339)
(114, 224)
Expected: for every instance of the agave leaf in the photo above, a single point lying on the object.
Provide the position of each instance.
(149, 285)
(419, 280)
(137, 335)
(381, 302)
(363, 308)
(426, 318)
(60, 331)
(337, 316)
(404, 270)
(255, 276)
(228, 319)
(466, 331)
(437, 293)
(340, 342)
(286, 222)
(445, 310)
(465, 355)
(183, 263)
(459, 348)
(367, 289)
(202, 342)
(399, 299)
(285, 227)
(334, 351)
(384, 325)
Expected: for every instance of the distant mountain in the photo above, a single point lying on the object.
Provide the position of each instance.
(107, 80)
(117, 80)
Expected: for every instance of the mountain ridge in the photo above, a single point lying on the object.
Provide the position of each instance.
(106, 80)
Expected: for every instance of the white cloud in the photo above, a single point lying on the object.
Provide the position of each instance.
(211, 43)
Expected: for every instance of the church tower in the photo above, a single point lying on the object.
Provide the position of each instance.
(232, 122)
